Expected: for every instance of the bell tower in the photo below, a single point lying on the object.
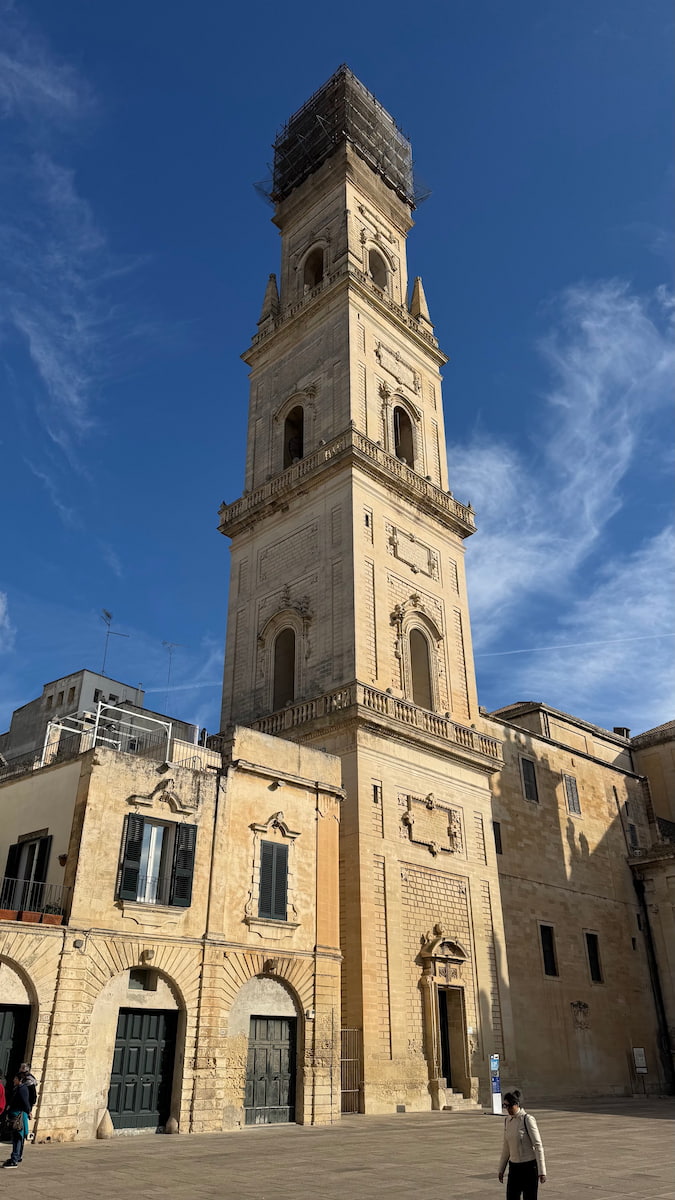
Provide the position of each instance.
(348, 623)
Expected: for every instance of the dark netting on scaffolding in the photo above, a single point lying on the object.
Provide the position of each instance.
(343, 110)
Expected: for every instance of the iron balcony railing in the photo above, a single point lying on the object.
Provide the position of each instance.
(25, 896)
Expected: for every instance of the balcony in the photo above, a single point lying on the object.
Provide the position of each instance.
(35, 903)
(355, 447)
(382, 704)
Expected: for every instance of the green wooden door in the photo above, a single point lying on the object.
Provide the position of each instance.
(14, 1020)
(142, 1069)
(270, 1073)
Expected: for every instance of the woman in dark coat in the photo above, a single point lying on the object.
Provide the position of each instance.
(19, 1110)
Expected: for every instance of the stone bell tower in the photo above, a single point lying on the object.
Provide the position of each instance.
(348, 622)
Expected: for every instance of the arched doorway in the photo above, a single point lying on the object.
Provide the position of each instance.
(16, 1010)
(283, 691)
(404, 441)
(137, 1022)
(265, 1014)
(420, 670)
(313, 270)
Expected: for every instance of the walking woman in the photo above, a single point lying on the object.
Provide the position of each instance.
(522, 1150)
(19, 1110)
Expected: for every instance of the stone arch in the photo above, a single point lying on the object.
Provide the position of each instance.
(264, 979)
(19, 1000)
(296, 617)
(378, 264)
(294, 421)
(313, 265)
(407, 618)
(405, 432)
(34, 960)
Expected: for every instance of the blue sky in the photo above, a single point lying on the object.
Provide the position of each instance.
(133, 259)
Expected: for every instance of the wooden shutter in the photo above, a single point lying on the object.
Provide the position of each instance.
(12, 861)
(530, 780)
(131, 858)
(273, 880)
(42, 859)
(572, 795)
(183, 866)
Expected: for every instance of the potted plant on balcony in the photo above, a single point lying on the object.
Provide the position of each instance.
(8, 914)
(52, 915)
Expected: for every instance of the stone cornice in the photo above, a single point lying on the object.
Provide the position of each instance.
(384, 713)
(355, 449)
(346, 277)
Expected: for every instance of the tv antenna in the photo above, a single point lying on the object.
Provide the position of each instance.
(107, 617)
(169, 647)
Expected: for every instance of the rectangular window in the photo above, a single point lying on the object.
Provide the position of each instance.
(59, 699)
(572, 795)
(498, 836)
(97, 695)
(529, 780)
(377, 793)
(593, 952)
(633, 839)
(71, 695)
(157, 862)
(50, 701)
(548, 950)
(142, 980)
(273, 880)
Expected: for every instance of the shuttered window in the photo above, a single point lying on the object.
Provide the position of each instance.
(273, 880)
(572, 795)
(529, 780)
(157, 862)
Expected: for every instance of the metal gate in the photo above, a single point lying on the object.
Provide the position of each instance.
(351, 1070)
(270, 1071)
(142, 1070)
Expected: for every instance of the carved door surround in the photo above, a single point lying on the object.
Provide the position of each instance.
(444, 962)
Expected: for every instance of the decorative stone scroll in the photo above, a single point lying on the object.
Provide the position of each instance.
(410, 550)
(428, 822)
(404, 373)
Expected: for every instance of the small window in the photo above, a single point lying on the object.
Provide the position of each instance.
(377, 269)
(497, 830)
(633, 839)
(272, 900)
(404, 442)
(98, 695)
(59, 700)
(284, 669)
(548, 950)
(314, 269)
(141, 980)
(50, 701)
(638, 918)
(377, 793)
(572, 795)
(157, 862)
(529, 779)
(593, 952)
(367, 519)
(626, 806)
(420, 669)
(71, 695)
(634, 943)
(112, 699)
(294, 436)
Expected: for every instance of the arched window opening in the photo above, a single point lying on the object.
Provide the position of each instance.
(404, 444)
(294, 436)
(313, 272)
(284, 669)
(377, 269)
(420, 669)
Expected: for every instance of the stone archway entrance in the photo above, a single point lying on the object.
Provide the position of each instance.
(16, 1011)
(445, 1018)
(264, 1020)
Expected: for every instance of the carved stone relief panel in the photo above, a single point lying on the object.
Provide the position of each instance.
(394, 365)
(427, 821)
(409, 549)
(297, 551)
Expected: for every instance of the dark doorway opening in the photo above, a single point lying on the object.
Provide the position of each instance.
(284, 669)
(452, 1030)
(14, 1020)
(404, 440)
(142, 1069)
(294, 436)
(270, 1071)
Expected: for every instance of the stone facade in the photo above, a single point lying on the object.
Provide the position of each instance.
(208, 966)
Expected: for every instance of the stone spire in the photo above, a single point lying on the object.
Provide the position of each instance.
(271, 302)
(418, 303)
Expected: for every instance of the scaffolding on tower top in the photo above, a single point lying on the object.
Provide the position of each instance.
(343, 110)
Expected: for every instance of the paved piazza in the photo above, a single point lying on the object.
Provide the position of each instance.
(601, 1152)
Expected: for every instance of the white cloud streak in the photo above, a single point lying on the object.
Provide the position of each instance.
(7, 630)
(543, 513)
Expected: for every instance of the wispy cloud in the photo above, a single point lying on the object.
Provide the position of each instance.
(112, 558)
(6, 628)
(67, 514)
(543, 514)
(34, 84)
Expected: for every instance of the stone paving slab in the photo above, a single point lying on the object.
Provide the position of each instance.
(601, 1152)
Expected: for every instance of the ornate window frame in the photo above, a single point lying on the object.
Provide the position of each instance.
(406, 617)
(275, 828)
(297, 616)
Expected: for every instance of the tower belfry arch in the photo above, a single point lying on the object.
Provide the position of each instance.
(347, 517)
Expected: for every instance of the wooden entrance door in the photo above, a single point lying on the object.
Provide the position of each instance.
(14, 1020)
(142, 1069)
(270, 1072)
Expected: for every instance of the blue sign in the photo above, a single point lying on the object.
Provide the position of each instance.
(496, 1084)
(494, 1062)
